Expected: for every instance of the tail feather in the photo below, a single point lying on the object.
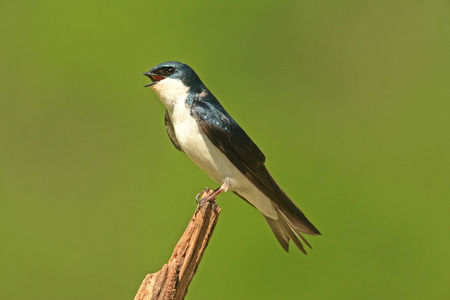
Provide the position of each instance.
(289, 226)
(285, 230)
(279, 230)
(303, 224)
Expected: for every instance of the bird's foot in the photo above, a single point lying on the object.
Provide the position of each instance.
(207, 195)
(202, 194)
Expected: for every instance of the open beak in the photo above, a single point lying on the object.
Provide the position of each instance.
(154, 78)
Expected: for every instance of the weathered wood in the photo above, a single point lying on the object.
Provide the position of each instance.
(172, 281)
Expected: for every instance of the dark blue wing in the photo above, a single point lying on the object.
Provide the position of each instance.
(237, 146)
(228, 136)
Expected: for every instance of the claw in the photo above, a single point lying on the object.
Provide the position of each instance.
(200, 195)
(208, 195)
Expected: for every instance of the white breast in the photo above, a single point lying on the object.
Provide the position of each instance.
(198, 147)
(192, 141)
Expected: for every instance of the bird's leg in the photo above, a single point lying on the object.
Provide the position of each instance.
(210, 197)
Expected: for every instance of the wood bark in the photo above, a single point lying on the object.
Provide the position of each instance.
(172, 281)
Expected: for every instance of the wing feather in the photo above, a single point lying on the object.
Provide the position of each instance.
(171, 131)
(237, 146)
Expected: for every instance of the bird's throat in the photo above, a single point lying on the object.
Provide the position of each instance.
(171, 92)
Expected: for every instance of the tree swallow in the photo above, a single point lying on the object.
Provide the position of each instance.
(199, 126)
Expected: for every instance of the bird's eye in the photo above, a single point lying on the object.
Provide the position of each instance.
(170, 70)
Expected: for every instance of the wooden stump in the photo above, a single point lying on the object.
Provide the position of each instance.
(172, 281)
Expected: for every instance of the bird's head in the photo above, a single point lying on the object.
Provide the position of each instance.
(173, 70)
(172, 81)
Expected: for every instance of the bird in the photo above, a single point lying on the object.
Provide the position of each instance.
(198, 125)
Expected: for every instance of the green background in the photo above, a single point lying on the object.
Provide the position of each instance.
(349, 100)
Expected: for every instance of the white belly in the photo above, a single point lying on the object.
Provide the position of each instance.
(212, 161)
(198, 147)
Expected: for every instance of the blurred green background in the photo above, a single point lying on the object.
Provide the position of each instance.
(349, 100)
